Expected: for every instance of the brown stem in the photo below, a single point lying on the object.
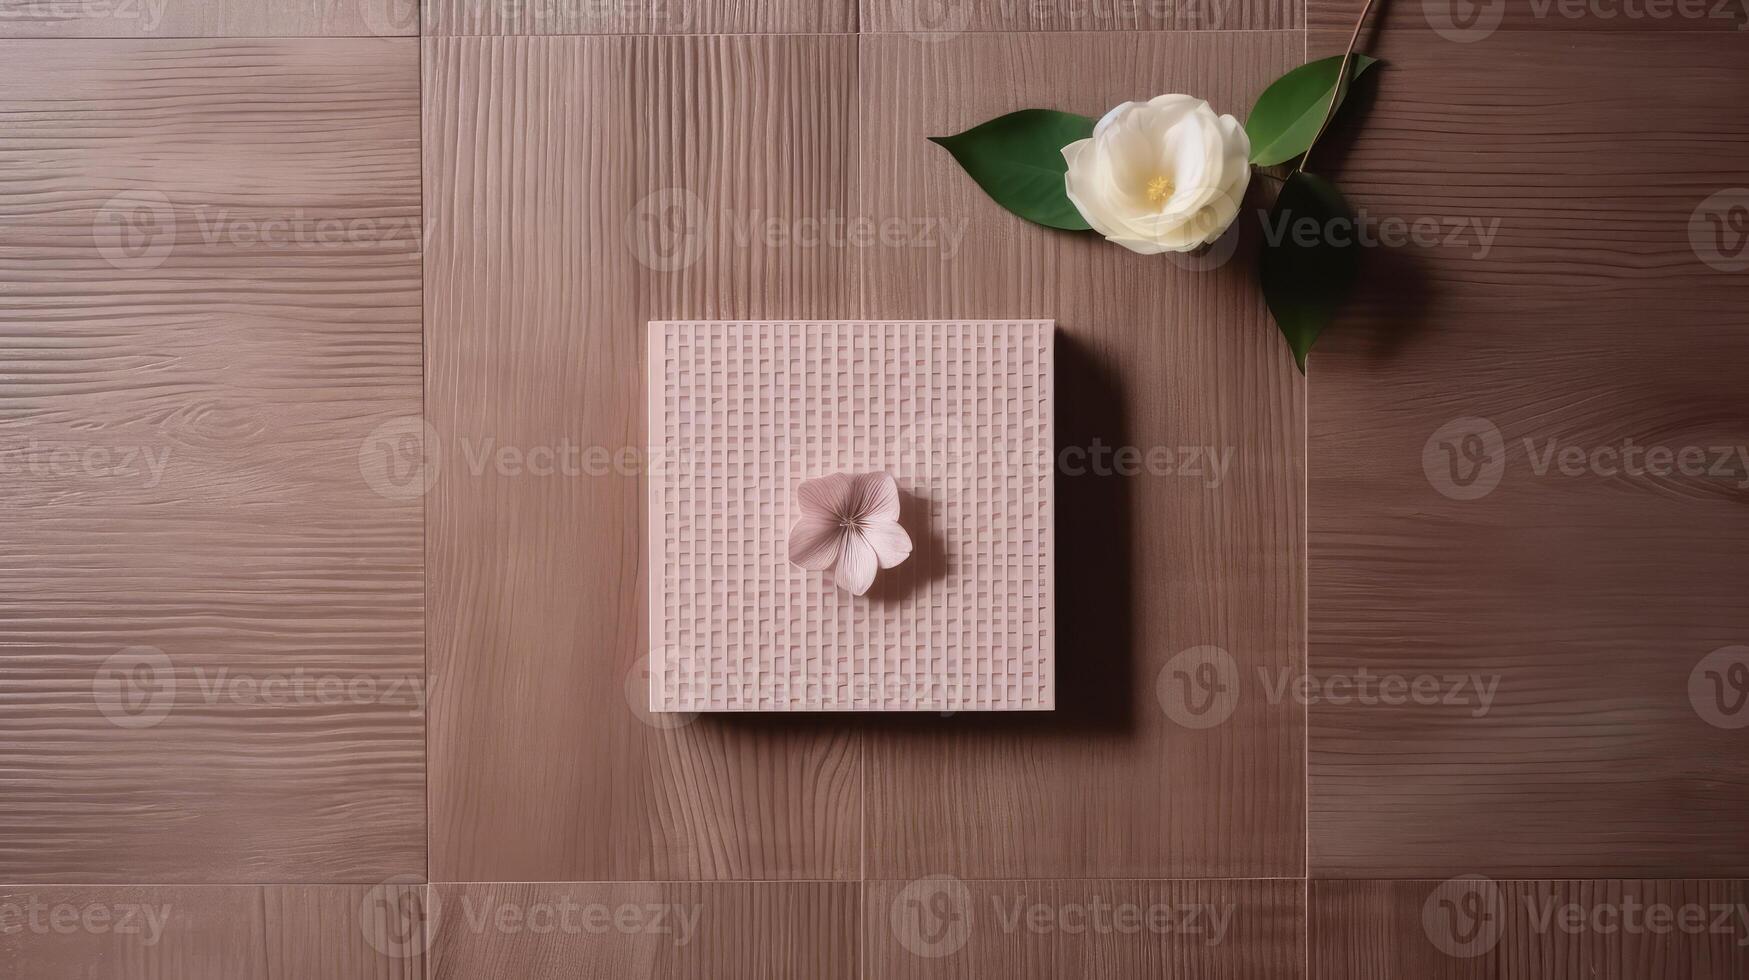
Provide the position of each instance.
(1341, 83)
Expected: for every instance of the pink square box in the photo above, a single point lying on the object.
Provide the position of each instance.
(959, 412)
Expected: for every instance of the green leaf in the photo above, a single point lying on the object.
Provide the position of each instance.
(1018, 160)
(1310, 259)
(1287, 115)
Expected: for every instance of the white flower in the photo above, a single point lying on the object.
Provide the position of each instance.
(849, 524)
(1165, 175)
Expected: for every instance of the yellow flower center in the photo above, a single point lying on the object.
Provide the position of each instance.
(1159, 189)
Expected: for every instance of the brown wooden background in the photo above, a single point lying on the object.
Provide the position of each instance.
(254, 255)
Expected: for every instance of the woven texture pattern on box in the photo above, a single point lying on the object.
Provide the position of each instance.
(958, 412)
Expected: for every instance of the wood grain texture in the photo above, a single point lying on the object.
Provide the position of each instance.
(445, 18)
(663, 931)
(1476, 929)
(167, 19)
(933, 20)
(192, 932)
(1468, 24)
(180, 436)
(1589, 596)
(937, 927)
(550, 249)
(1164, 560)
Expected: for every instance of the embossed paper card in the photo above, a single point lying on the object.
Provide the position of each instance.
(958, 413)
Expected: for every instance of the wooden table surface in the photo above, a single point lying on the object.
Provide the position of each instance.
(321, 460)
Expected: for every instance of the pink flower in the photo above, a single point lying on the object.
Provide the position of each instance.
(849, 524)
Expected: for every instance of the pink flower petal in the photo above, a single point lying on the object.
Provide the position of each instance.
(874, 497)
(856, 564)
(828, 496)
(814, 542)
(890, 542)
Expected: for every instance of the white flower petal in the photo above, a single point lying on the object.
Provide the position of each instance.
(1214, 204)
(1198, 156)
(1073, 151)
(1115, 178)
(1165, 111)
(1238, 144)
(1218, 216)
(827, 496)
(890, 542)
(1175, 100)
(874, 497)
(856, 565)
(1114, 114)
(1088, 183)
(814, 542)
(1129, 154)
(1142, 246)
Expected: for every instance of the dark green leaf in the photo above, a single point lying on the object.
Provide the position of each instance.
(1309, 261)
(1287, 115)
(1018, 160)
